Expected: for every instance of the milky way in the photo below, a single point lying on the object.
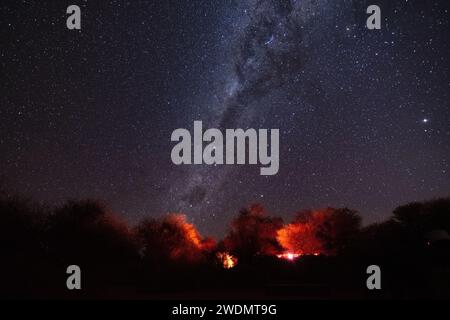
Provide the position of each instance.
(90, 113)
(267, 48)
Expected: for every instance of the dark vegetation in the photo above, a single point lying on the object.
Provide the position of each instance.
(168, 258)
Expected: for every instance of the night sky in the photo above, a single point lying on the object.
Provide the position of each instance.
(364, 116)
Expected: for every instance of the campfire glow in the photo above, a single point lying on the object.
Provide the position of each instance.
(227, 260)
(291, 256)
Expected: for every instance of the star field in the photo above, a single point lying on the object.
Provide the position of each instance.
(364, 115)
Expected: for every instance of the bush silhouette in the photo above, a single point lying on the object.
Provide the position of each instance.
(87, 234)
(253, 233)
(169, 254)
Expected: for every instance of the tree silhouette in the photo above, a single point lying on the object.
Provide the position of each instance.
(327, 231)
(22, 250)
(252, 233)
(172, 238)
(87, 234)
(420, 217)
(38, 243)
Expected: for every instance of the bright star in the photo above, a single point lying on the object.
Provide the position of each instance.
(270, 40)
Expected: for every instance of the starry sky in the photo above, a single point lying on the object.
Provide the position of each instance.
(364, 116)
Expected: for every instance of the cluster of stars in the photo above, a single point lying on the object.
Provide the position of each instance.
(363, 116)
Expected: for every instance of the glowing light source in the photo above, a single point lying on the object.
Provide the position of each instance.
(291, 256)
(227, 260)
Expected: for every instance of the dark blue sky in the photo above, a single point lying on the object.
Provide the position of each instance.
(89, 114)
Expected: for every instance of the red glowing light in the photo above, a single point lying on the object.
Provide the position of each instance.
(227, 260)
(291, 256)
